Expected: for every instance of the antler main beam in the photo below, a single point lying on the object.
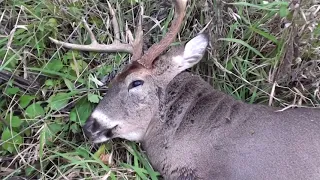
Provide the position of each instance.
(155, 50)
(116, 46)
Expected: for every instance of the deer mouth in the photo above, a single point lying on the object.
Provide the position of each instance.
(104, 135)
(109, 132)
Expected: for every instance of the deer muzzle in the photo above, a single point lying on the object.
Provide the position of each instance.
(96, 132)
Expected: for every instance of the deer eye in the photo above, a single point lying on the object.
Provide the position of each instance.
(136, 83)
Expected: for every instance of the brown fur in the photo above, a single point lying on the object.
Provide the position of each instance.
(134, 66)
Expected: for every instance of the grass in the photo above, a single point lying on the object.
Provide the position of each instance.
(260, 53)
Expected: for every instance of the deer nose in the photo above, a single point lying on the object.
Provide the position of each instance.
(90, 127)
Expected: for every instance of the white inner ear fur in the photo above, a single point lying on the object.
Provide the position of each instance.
(192, 54)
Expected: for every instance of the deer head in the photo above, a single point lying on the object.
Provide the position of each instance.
(133, 96)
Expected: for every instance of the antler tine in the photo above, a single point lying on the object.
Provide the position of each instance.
(155, 50)
(138, 42)
(116, 46)
(116, 29)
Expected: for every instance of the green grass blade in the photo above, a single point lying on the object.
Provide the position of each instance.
(264, 34)
(242, 43)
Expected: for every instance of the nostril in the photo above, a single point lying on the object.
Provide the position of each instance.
(91, 125)
(88, 126)
(86, 131)
(95, 126)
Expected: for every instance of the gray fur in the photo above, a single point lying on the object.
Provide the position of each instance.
(204, 134)
(191, 131)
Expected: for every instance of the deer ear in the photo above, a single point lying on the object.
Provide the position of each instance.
(193, 52)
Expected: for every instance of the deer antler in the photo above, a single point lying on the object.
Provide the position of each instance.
(95, 46)
(138, 41)
(116, 46)
(136, 47)
(155, 50)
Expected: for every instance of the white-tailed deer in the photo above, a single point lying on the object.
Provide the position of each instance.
(191, 131)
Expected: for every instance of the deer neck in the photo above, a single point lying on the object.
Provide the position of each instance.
(179, 108)
(181, 96)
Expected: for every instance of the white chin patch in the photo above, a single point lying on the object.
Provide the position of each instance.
(100, 139)
(133, 136)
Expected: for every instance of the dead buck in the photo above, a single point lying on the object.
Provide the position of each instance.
(191, 131)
